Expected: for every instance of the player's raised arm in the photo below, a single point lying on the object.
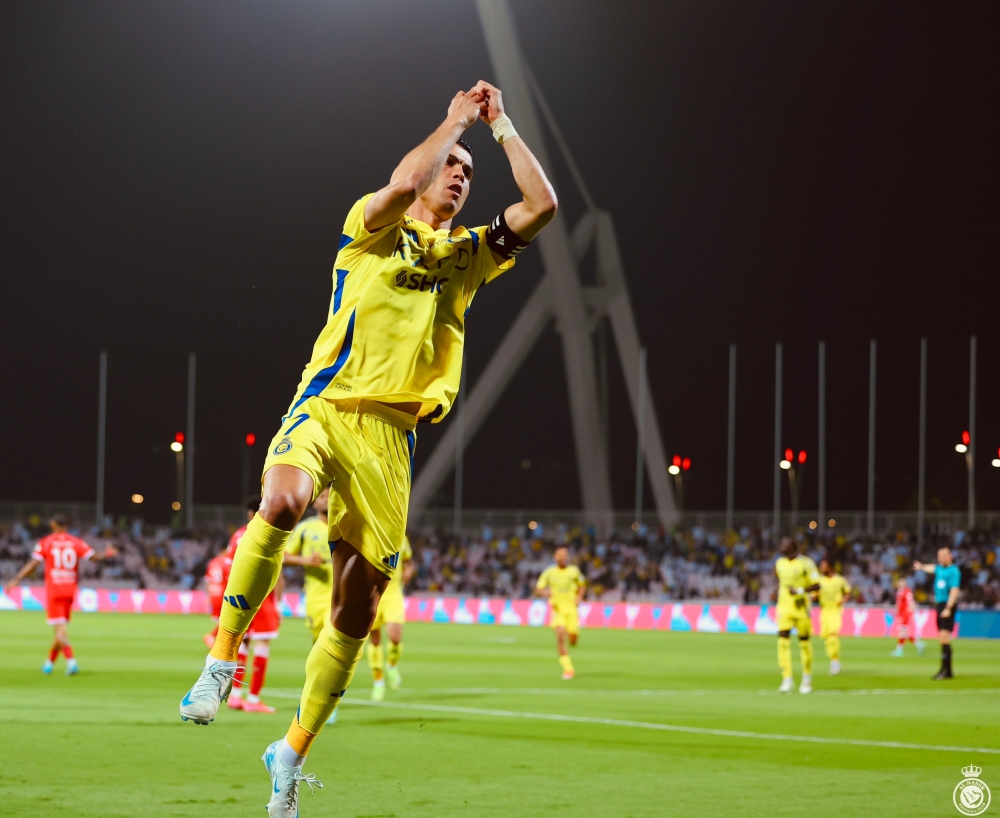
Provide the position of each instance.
(526, 218)
(421, 166)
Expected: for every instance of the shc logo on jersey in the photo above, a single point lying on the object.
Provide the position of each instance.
(284, 446)
(422, 282)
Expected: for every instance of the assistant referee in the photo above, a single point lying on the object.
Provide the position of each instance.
(947, 579)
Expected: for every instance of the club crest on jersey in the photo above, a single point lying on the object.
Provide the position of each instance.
(422, 282)
(284, 446)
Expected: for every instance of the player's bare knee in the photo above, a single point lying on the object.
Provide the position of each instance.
(283, 509)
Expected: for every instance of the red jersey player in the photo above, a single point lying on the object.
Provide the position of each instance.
(61, 553)
(905, 609)
(263, 629)
(216, 577)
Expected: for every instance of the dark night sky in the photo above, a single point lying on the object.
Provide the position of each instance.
(173, 177)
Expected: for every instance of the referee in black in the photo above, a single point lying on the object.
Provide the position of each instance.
(947, 579)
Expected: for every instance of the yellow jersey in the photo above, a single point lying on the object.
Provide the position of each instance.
(796, 573)
(310, 537)
(396, 327)
(565, 584)
(831, 592)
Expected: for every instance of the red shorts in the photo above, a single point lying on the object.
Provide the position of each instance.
(906, 622)
(216, 603)
(266, 623)
(58, 610)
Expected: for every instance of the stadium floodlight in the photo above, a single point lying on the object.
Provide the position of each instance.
(137, 499)
(176, 447)
(785, 464)
(832, 523)
(961, 448)
(674, 469)
(533, 525)
(175, 505)
(813, 525)
(996, 462)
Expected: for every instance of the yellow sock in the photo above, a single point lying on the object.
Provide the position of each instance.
(376, 660)
(833, 647)
(255, 571)
(785, 656)
(806, 652)
(329, 670)
(567, 664)
(393, 653)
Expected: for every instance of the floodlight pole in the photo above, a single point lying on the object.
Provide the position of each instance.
(640, 438)
(871, 438)
(188, 498)
(971, 453)
(777, 440)
(102, 418)
(821, 521)
(922, 468)
(731, 442)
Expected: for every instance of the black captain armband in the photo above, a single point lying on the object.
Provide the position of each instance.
(502, 240)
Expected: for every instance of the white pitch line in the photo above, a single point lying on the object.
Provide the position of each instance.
(674, 728)
(566, 691)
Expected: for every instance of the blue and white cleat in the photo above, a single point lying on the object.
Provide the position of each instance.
(285, 783)
(201, 702)
(72, 668)
(898, 651)
(47, 668)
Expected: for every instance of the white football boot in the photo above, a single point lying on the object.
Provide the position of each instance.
(201, 702)
(787, 685)
(285, 783)
(807, 683)
(834, 667)
(378, 690)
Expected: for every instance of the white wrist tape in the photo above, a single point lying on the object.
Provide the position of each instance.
(503, 129)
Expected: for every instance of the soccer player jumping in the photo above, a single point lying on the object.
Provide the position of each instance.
(391, 353)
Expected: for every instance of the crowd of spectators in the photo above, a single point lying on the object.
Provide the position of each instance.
(688, 565)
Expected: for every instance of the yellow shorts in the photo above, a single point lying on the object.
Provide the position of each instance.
(391, 608)
(830, 622)
(567, 618)
(363, 451)
(794, 617)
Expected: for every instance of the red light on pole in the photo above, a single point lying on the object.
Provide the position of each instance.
(966, 438)
(686, 463)
(677, 460)
(802, 456)
(251, 439)
(789, 455)
(179, 437)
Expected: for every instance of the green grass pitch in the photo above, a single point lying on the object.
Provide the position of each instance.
(109, 742)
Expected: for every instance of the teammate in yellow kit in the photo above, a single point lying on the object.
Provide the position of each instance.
(797, 578)
(309, 547)
(391, 353)
(833, 593)
(563, 585)
(391, 613)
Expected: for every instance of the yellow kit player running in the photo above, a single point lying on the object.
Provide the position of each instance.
(833, 593)
(391, 613)
(309, 547)
(797, 578)
(564, 585)
(391, 353)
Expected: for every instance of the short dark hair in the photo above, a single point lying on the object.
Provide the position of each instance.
(60, 520)
(467, 146)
